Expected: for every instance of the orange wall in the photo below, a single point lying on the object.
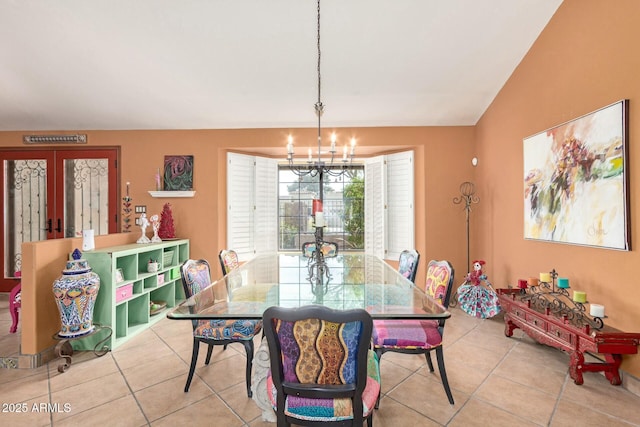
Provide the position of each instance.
(585, 59)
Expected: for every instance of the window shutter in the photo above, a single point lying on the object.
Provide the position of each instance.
(240, 205)
(400, 212)
(375, 203)
(266, 202)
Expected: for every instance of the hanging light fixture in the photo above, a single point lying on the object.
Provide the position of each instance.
(316, 165)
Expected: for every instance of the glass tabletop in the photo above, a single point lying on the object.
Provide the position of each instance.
(353, 281)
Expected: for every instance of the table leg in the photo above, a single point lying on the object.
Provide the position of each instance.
(509, 326)
(576, 364)
(261, 366)
(64, 350)
(612, 373)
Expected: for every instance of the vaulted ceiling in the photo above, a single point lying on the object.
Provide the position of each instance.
(209, 64)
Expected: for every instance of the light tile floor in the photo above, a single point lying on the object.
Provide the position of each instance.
(496, 381)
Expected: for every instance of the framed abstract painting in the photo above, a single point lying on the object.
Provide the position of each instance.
(178, 173)
(576, 179)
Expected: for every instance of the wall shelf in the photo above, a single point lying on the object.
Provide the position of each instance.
(172, 193)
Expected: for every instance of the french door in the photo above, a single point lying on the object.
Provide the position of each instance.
(52, 194)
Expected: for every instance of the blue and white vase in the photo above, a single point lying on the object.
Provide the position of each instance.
(75, 293)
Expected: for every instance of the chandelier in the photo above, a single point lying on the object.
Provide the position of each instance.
(316, 165)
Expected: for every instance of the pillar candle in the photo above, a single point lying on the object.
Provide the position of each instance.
(522, 284)
(317, 206)
(532, 281)
(319, 219)
(545, 277)
(596, 310)
(579, 296)
(563, 282)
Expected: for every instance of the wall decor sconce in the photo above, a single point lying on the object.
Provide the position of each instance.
(55, 139)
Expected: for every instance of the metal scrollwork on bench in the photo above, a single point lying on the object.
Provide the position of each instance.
(545, 297)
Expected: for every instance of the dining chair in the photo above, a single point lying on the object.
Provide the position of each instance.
(328, 249)
(420, 336)
(322, 368)
(408, 263)
(196, 275)
(228, 260)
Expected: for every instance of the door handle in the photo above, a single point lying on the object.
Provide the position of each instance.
(49, 225)
(59, 227)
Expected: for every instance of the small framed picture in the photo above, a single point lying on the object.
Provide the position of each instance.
(119, 275)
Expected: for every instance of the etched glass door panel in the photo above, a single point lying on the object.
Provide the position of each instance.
(27, 216)
(86, 196)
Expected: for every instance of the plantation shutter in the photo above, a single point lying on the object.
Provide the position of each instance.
(266, 202)
(240, 204)
(374, 206)
(400, 212)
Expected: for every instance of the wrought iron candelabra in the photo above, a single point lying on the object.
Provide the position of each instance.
(546, 297)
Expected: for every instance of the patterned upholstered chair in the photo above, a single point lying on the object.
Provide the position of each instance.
(228, 260)
(196, 275)
(420, 336)
(408, 265)
(322, 368)
(329, 249)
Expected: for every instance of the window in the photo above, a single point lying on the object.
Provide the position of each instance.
(343, 207)
(268, 207)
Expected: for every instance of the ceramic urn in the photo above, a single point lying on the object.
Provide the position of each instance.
(75, 292)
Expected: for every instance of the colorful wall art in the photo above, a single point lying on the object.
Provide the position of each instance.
(178, 173)
(575, 181)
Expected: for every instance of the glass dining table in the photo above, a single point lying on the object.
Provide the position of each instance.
(353, 280)
(350, 280)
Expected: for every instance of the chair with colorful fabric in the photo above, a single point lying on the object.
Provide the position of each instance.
(408, 265)
(322, 368)
(228, 260)
(196, 275)
(420, 336)
(328, 249)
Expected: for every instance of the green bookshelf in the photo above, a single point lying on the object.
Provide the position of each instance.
(124, 305)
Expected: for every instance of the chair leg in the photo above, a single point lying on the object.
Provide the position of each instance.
(209, 351)
(194, 359)
(379, 353)
(427, 356)
(248, 347)
(443, 373)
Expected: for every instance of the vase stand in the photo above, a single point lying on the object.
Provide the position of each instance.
(64, 349)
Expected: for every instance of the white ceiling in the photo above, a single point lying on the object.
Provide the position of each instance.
(208, 64)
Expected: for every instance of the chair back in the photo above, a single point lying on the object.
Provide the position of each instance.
(318, 353)
(196, 275)
(408, 265)
(439, 281)
(228, 260)
(329, 249)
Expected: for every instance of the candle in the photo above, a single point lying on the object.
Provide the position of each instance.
(310, 155)
(333, 142)
(317, 206)
(319, 219)
(596, 310)
(545, 277)
(353, 146)
(158, 180)
(563, 282)
(532, 281)
(579, 296)
(522, 284)
(290, 145)
(128, 188)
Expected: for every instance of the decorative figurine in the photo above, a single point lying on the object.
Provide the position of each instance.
(144, 223)
(476, 295)
(155, 225)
